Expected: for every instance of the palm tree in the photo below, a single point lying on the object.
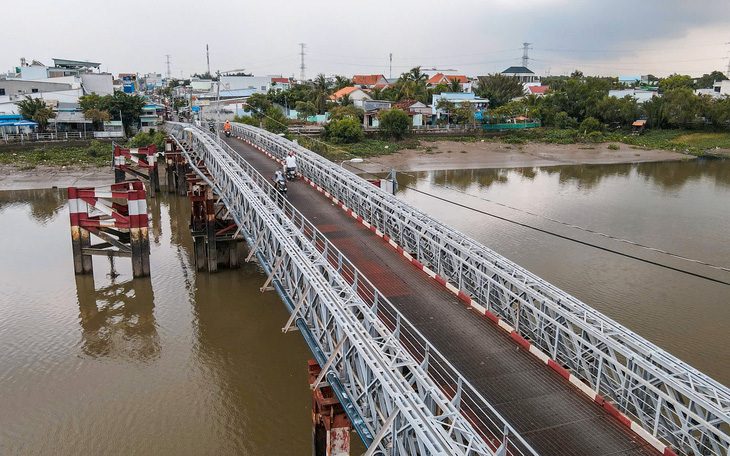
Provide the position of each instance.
(341, 82)
(345, 100)
(35, 109)
(320, 92)
(455, 85)
(376, 93)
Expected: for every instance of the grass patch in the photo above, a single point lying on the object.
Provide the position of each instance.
(95, 155)
(614, 147)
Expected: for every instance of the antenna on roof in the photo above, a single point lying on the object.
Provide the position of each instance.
(525, 47)
(207, 57)
(390, 74)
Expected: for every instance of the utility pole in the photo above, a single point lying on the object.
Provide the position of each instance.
(302, 66)
(169, 73)
(390, 73)
(207, 57)
(525, 60)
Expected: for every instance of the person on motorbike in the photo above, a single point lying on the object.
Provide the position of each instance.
(291, 164)
(227, 128)
(279, 180)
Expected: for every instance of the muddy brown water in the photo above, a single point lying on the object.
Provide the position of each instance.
(191, 363)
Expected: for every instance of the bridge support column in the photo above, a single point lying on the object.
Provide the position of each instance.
(210, 232)
(330, 424)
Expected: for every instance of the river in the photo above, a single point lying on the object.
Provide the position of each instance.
(191, 363)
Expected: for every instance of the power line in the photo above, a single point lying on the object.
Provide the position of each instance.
(561, 236)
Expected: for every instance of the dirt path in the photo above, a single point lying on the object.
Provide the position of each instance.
(470, 155)
(14, 178)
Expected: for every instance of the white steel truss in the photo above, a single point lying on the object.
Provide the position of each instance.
(671, 400)
(372, 371)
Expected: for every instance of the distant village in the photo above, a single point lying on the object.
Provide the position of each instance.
(430, 100)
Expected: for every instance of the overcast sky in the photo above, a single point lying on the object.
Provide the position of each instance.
(472, 37)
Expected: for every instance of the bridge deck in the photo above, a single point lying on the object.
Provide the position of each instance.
(545, 409)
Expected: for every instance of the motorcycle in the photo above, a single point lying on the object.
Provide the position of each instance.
(291, 174)
(211, 125)
(228, 133)
(280, 186)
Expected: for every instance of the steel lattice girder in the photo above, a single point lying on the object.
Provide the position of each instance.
(670, 399)
(374, 367)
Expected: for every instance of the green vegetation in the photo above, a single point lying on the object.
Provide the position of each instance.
(394, 123)
(344, 131)
(95, 155)
(145, 139)
(35, 109)
(98, 108)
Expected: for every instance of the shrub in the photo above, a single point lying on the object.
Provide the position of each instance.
(247, 120)
(614, 146)
(344, 131)
(590, 124)
(394, 123)
(594, 137)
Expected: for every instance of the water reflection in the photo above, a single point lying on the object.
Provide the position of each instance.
(44, 204)
(117, 319)
(666, 175)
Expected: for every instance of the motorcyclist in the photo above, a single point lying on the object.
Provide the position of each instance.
(291, 163)
(279, 179)
(227, 127)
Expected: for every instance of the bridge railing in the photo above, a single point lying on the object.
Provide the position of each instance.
(487, 422)
(385, 391)
(672, 402)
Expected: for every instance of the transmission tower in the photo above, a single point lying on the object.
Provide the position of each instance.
(525, 60)
(302, 66)
(168, 75)
(390, 75)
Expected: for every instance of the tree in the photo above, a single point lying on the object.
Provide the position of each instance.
(708, 80)
(305, 109)
(247, 120)
(258, 105)
(440, 88)
(345, 100)
(682, 106)
(98, 117)
(498, 89)
(275, 120)
(320, 92)
(589, 125)
(35, 109)
(675, 81)
(345, 130)
(394, 123)
(616, 111)
(454, 86)
(340, 112)
(655, 111)
(119, 104)
(341, 82)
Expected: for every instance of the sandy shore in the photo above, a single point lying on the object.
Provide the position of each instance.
(472, 155)
(14, 178)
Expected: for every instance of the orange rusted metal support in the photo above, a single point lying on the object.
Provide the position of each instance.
(330, 424)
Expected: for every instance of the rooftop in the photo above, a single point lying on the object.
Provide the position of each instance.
(518, 70)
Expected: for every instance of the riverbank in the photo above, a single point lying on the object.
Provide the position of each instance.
(441, 155)
(43, 176)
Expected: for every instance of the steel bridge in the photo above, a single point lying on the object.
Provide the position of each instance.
(418, 371)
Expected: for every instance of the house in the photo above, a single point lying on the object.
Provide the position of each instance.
(261, 84)
(630, 81)
(637, 94)
(440, 78)
(722, 87)
(372, 108)
(356, 94)
(537, 90)
(71, 121)
(370, 80)
(523, 74)
(459, 99)
(420, 113)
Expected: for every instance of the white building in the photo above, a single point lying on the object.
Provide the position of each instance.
(639, 95)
